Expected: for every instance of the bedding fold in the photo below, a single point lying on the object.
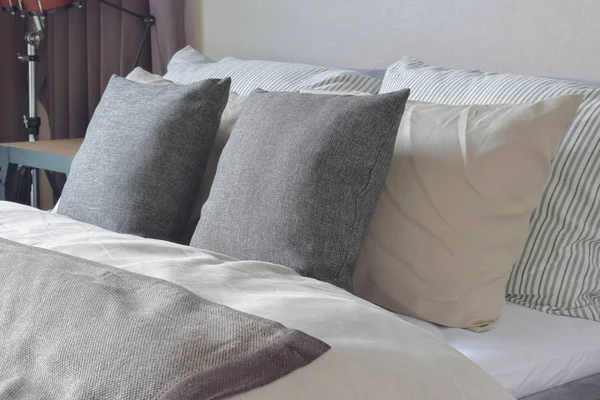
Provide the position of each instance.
(76, 329)
(374, 354)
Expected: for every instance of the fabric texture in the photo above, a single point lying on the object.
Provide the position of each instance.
(188, 66)
(298, 181)
(75, 329)
(235, 105)
(374, 354)
(231, 114)
(557, 271)
(140, 167)
(454, 214)
(583, 389)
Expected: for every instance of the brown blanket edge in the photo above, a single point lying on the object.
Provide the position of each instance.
(292, 351)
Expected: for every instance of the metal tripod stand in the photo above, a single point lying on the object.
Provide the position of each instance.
(32, 121)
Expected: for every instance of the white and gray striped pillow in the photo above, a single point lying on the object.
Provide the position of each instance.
(559, 270)
(188, 66)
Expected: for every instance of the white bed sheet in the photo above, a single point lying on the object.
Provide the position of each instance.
(375, 354)
(529, 351)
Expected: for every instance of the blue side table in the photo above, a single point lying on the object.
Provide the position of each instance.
(49, 155)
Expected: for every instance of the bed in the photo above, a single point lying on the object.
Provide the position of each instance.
(527, 353)
(374, 353)
(384, 357)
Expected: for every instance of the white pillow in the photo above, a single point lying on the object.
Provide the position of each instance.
(454, 214)
(188, 66)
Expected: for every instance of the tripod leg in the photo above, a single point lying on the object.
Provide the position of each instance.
(56, 192)
(3, 172)
(23, 194)
(35, 187)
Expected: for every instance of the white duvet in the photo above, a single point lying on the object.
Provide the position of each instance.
(374, 353)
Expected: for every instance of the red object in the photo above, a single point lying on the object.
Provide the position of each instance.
(47, 6)
(6, 5)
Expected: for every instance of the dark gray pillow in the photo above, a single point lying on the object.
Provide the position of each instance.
(139, 168)
(298, 181)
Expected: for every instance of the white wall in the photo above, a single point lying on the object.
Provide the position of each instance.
(541, 37)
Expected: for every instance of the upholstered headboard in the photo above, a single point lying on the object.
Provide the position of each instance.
(533, 37)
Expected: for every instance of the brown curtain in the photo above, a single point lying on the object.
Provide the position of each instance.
(169, 32)
(13, 79)
(84, 48)
(13, 84)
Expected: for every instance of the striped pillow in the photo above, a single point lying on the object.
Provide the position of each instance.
(188, 66)
(559, 269)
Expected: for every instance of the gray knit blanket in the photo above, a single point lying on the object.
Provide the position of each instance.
(75, 329)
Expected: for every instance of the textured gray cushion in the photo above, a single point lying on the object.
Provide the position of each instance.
(141, 163)
(73, 329)
(298, 180)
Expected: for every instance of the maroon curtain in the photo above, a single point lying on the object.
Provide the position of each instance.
(169, 32)
(13, 83)
(13, 79)
(84, 48)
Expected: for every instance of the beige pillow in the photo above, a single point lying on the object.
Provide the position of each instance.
(230, 116)
(454, 214)
(140, 75)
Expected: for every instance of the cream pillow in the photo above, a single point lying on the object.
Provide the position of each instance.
(140, 75)
(454, 214)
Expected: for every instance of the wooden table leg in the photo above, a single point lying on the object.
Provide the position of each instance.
(3, 171)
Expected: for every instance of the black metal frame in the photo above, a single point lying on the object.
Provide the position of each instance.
(53, 11)
(148, 21)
